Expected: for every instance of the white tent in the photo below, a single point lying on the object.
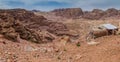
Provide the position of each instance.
(109, 26)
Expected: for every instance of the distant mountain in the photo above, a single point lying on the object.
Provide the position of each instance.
(94, 14)
(35, 10)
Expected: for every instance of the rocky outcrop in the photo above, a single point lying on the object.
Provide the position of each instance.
(100, 14)
(25, 24)
(111, 12)
(69, 12)
(95, 14)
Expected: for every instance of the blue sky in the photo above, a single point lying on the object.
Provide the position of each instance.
(47, 5)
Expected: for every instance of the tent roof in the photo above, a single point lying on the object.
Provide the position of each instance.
(109, 26)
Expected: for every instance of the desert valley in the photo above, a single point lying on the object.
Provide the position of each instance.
(59, 35)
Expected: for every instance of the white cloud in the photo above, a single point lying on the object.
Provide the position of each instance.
(84, 4)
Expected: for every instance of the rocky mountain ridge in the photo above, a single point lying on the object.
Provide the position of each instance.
(94, 14)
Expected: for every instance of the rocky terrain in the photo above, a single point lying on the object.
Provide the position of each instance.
(77, 13)
(27, 25)
(69, 12)
(33, 36)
